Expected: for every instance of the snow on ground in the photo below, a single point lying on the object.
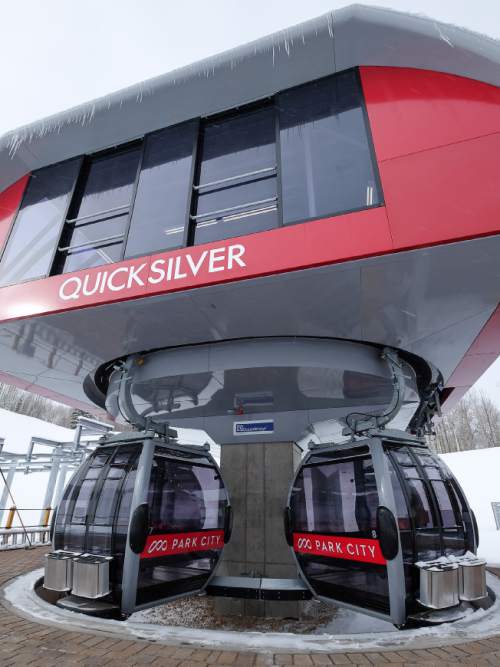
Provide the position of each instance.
(478, 472)
(20, 594)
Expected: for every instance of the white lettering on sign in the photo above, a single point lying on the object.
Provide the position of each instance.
(181, 543)
(162, 270)
(351, 548)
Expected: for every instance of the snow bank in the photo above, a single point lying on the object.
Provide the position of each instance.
(28, 490)
(478, 472)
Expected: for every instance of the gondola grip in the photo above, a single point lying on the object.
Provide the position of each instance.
(388, 534)
(139, 528)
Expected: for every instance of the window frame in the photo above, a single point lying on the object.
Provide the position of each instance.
(194, 160)
(258, 105)
(63, 219)
(86, 161)
(371, 149)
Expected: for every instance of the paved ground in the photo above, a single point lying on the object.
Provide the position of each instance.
(23, 642)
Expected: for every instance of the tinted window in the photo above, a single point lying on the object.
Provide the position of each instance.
(326, 162)
(419, 504)
(108, 498)
(336, 498)
(432, 472)
(95, 231)
(444, 501)
(402, 510)
(236, 190)
(162, 199)
(185, 497)
(109, 183)
(86, 258)
(35, 235)
(82, 501)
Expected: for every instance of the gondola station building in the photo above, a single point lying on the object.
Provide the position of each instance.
(292, 246)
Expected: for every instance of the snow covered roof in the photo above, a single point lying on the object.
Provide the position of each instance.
(338, 40)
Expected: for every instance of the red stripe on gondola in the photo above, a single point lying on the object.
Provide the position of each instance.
(347, 548)
(170, 544)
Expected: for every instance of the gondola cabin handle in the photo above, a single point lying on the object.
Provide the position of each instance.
(228, 523)
(139, 528)
(287, 522)
(388, 534)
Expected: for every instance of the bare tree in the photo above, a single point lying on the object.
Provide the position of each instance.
(473, 424)
(33, 405)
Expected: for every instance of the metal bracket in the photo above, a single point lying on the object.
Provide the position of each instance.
(370, 422)
(128, 409)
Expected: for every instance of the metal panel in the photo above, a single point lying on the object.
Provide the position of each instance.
(376, 36)
(443, 194)
(395, 568)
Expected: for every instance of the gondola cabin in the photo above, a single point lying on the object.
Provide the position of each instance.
(143, 521)
(362, 515)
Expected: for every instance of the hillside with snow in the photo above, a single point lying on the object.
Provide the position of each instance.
(478, 472)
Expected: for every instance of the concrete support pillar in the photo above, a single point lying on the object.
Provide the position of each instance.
(258, 478)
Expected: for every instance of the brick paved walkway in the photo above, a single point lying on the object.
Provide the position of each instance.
(24, 642)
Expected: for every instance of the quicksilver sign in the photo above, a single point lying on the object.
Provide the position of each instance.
(160, 271)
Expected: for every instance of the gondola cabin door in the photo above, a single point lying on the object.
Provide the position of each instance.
(340, 503)
(177, 528)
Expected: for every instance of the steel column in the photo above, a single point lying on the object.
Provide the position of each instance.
(5, 493)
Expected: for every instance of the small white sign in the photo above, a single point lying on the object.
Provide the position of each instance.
(253, 427)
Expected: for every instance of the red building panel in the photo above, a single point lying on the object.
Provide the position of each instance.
(339, 239)
(444, 194)
(9, 203)
(412, 110)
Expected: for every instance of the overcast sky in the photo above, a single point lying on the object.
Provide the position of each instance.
(55, 54)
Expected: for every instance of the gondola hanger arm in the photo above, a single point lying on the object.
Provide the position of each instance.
(376, 422)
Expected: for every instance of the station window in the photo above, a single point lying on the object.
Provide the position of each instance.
(326, 163)
(236, 191)
(95, 230)
(30, 248)
(162, 201)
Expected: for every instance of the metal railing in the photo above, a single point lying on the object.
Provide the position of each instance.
(19, 537)
(13, 510)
